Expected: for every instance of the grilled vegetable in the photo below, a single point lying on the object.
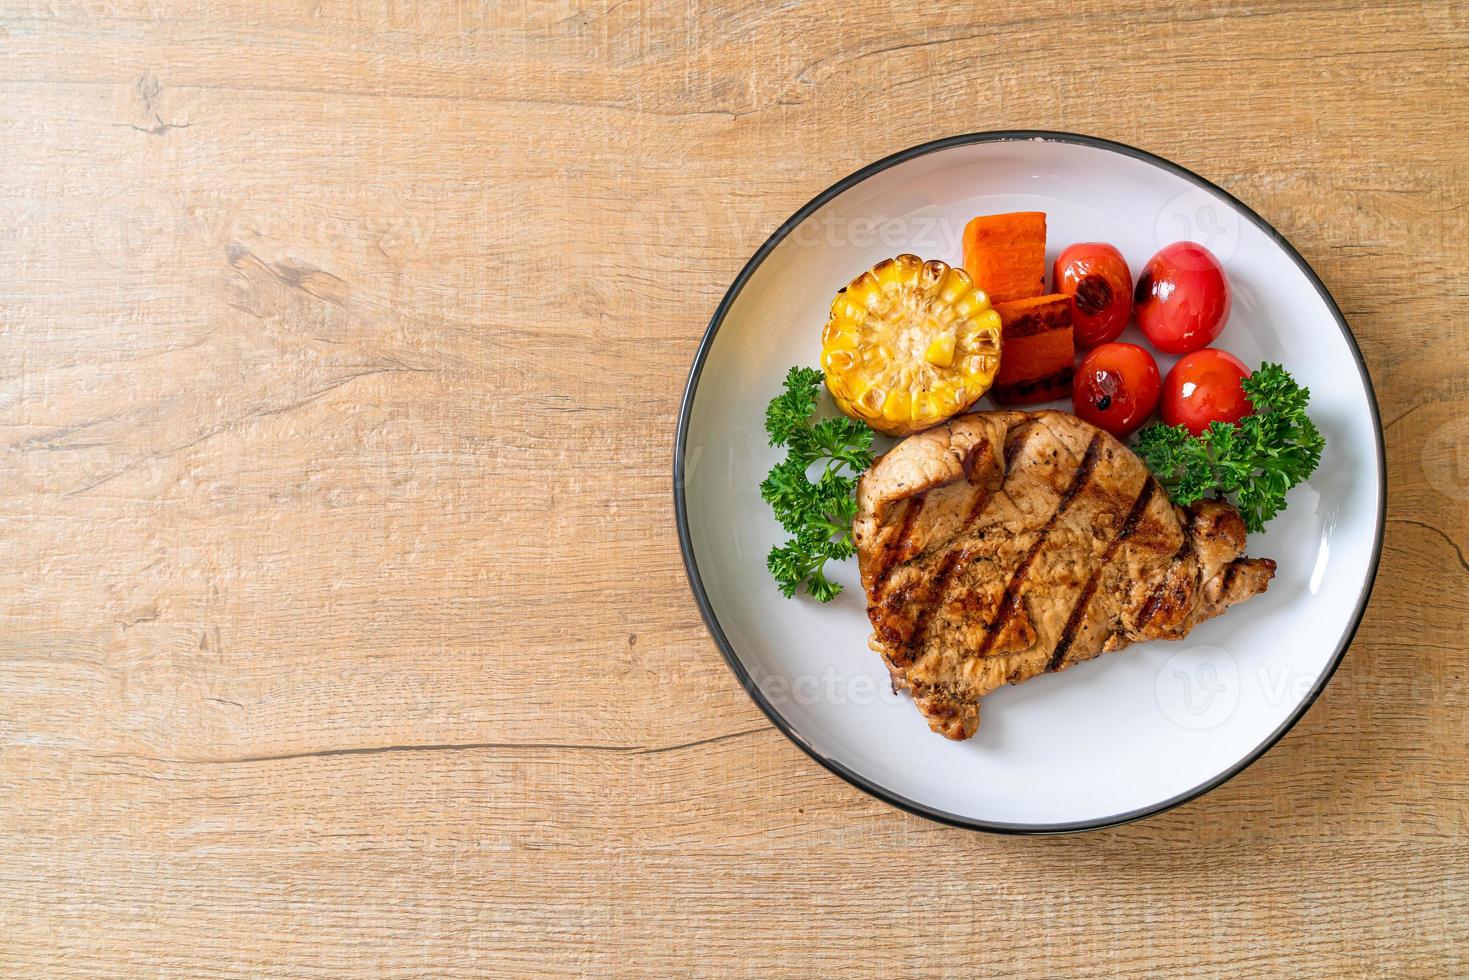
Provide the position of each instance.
(1116, 388)
(1096, 277)
(909, 343)
(1039, 352)
(1005, 254)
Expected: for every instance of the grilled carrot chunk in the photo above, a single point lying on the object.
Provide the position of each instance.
(1005, 254)
(1037, 354)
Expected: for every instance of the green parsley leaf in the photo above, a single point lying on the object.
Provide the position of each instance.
(818, 513)
(788, 413)
(1255, 461)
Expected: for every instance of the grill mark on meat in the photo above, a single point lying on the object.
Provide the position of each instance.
(899, 547)
(1150, 606)
(1073, 621)
(1230, 571)
(973, 458)
(1015, 440)
(1010, 599)
(902, 653)
(897, 544)
(888, 624)
(982, 494)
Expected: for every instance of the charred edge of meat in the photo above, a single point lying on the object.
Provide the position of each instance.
(1073, 622)
(886, 615)
(1150, 604)
(948, 711)
(1010, 599)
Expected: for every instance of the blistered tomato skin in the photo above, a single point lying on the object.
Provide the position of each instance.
(1182, 298)
(1116, 388)
(1096, 277)
(1204, 387)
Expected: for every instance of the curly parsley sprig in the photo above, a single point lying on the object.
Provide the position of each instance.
(1256, 460)
(817, 512)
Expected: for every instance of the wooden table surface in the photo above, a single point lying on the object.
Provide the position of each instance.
(343, 628)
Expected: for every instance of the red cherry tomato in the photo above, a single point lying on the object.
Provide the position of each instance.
(1182, 298)
(1096, 277)
(1116, 388)
(1205, 387)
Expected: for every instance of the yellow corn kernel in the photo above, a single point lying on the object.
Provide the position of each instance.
(979, 339)
(940, 352)
(837, 360)
(898, 407)
(989, 321)
(925, 406)
(955, 284)
(835, 327)
(863, 292)
(967, 306)
(932, 276)
(872, 399)
(889, 275)
(978, 365)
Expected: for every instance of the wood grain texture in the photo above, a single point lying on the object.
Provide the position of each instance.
(343, 629)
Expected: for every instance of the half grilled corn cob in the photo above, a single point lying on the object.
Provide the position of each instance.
(908, 344)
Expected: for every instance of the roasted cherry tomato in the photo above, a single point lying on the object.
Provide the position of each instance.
(1096, 277)
(1182, 298)
(1205, 387)
(1116, 388)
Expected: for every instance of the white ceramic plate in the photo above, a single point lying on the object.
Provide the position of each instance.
(1123, 736)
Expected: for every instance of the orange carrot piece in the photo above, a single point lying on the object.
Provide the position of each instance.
(1037, 353)
(1005, 254)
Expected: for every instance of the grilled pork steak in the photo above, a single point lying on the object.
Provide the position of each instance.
(1009, 544)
